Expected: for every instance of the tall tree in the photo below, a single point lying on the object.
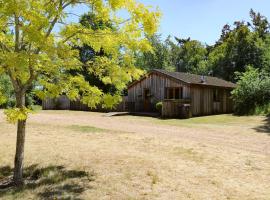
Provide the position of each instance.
(236, 49)
(191, 56)
(88, 54)
(158, 58)
(33, 50)
(260, 23)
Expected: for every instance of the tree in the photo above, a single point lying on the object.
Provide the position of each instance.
(259, 23)
(88, 54)
(37, 46)
(159, 58)
(191, 56)
(239, 46)
(252, 92)
(236, 49)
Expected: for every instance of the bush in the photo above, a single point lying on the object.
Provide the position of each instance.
(159, 107)
(252, 95)
(262, 110)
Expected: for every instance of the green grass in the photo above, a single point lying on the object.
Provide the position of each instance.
(87, 129)
(224, 119)
(213, 120)
(36, 107)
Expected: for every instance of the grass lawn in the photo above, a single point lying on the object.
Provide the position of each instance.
(83, 155)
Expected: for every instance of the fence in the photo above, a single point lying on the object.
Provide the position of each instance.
(63, 103)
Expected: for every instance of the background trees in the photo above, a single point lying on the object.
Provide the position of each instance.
(158, 58)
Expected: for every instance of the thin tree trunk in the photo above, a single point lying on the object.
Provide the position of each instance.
(19, 156)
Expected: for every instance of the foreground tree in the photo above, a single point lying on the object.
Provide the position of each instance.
(37, 48)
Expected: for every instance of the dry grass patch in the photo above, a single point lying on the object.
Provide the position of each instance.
(87, 129)
(188, 153)
(95, 157)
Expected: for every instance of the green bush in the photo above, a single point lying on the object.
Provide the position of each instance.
(262, 110)
(252, 95)
(159, 107)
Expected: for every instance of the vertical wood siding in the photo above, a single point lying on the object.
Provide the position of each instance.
(202, 101)
(202, 97)
(156, 84)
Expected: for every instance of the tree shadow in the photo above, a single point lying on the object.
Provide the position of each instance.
(52, 182)
(265, 127)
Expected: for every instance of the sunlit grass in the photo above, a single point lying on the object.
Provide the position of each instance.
(87, 129)
(224, 119)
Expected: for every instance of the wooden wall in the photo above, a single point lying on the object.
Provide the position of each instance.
(156, 84)
(202, 101)
(202, 97)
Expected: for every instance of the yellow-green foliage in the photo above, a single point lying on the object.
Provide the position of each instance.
(34, 50)
(15, 114)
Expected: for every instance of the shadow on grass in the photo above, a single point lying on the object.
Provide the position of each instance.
(52, 182)
(265, 127)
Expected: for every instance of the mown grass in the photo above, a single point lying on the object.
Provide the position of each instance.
(224, 120)
(87, 129)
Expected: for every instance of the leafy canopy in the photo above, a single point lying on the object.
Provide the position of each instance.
(37, 46)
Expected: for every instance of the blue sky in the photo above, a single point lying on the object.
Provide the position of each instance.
(203, 19)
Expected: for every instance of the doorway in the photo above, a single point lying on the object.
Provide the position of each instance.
(146, 100)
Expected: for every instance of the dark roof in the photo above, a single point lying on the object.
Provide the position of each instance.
(196, 79)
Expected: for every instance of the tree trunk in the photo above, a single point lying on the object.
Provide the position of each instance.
(19, 156)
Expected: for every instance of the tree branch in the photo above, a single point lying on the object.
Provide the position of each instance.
(17, 33)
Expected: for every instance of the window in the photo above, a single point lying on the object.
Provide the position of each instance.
(216, 95)
(171, 93)
(174, 93)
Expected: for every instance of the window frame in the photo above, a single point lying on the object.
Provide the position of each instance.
(216, 95)
(167, 95)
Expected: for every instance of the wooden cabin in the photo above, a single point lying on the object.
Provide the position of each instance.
(200, 95)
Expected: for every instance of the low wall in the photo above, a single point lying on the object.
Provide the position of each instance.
(171, 108)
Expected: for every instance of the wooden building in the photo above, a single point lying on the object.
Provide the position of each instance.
(201, 95)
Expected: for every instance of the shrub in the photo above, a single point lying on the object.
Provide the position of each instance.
(159, 107)
(252, 94)
(263, 110)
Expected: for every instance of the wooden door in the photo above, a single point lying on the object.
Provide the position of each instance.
(146, 100)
